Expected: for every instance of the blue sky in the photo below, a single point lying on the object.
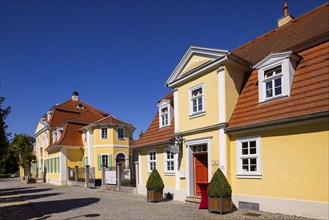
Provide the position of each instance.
(116, 54)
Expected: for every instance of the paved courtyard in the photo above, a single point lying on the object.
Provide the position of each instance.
(44, 201)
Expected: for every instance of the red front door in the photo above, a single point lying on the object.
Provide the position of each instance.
(200, 170)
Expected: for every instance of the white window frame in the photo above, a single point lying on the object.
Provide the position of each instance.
(166, 160)
(151, 160)
(249, 174)
(272, 79)
(288, 62)
(198, 112)
(101, 133)
(165, 103)
(123, 133)
(107, 160)
(164, 117)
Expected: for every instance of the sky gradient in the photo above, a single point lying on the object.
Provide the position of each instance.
(116, 54)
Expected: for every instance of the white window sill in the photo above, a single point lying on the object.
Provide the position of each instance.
(273, 99)
(249, 176)
(169, 173)
(164, 126)
(197, 114)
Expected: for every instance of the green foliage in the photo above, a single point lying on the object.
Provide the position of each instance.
(4, 143)
(154, 182)
(4, 175)
(22, 145)
(219, 186)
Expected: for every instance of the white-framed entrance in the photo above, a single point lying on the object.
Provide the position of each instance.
(205, 144)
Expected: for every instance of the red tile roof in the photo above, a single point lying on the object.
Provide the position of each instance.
(309, 94)
(72, 105)
(154, 134)
(304, 29)
(110, 119)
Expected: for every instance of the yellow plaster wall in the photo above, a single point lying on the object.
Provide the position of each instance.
(194, 62)
(233, 81)
(97, 137)
(74, 157)
(294, 164)
(98, 151)
(124, 141)
(210, 82)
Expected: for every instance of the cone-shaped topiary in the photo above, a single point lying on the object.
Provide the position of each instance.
(219, 186)
(154, 181)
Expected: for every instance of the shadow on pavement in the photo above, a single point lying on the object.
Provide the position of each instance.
(8, 199)
(16, 189)
(24, 191)
(27, 211)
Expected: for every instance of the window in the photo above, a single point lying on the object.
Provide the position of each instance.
(165, 113)
(164, 117)
(248, 152)
(200, 148)
(275, 75)
(105, 159)
(121, 134)
(169, 162)
(151, 161)
(103, 133)
(273, 82)
(197, 100)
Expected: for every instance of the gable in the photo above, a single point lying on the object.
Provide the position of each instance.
(195, 59)
(194, 62)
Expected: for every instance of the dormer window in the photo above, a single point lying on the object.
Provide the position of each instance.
(164, 117)
(166, 113)
(273, 82)
(275, 75)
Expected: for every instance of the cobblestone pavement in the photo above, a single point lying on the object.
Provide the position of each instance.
(44, 201)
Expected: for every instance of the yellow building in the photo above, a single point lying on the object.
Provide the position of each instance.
(260, 113)
(67, 131)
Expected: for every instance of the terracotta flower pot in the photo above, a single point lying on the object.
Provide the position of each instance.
(154, 196)
(220, 205)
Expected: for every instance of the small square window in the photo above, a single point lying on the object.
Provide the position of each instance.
(121, 134)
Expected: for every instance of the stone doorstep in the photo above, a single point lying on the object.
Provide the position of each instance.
(193, 199)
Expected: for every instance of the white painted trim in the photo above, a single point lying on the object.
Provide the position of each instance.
(63, 165)
(168, 172)
(200, 51)
(305, 208)
(148, 159)
(126, 160)
(107, 133)
(139, 167)
(221, 95)
(176, 112)
(177, 175)
(239, 172)
(189, 161)
(109, 145)
(223, 151)
(203, 111)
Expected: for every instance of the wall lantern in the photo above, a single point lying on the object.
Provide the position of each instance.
(176, 143)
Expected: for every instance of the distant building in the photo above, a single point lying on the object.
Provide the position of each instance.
(76, 134)
(260, 113)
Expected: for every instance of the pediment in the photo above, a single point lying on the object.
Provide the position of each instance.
(195, 58)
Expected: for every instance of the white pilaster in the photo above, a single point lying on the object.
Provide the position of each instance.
(140, 167)
(176, 116)
(177, 176)
(222, 119)
(63, 169)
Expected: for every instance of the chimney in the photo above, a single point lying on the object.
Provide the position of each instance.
(286, 16)
(75, 96)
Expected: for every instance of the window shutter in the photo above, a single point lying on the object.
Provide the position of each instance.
(59, 165)
(55, 165)
(99, 161)
(109, 160)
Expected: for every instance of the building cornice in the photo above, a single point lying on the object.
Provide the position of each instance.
(280, 123)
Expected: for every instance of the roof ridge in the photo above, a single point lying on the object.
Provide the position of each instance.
(283, 27)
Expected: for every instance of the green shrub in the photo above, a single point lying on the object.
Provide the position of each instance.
(154, 182)
(219, 186)
(4, 175)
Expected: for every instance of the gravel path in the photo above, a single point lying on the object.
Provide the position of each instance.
(54, 202)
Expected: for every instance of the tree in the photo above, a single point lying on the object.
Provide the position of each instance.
(4, 143)
(22, 144)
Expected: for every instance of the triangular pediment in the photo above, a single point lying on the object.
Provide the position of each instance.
(195, 58)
